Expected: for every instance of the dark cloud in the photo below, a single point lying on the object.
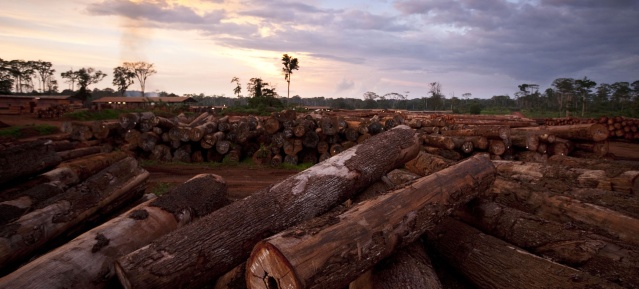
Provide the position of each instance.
(525, 40)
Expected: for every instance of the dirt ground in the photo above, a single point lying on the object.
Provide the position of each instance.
(241, 181)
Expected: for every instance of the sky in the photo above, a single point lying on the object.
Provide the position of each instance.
(345, 48)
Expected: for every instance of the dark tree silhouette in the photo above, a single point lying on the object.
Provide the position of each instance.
(290, 64)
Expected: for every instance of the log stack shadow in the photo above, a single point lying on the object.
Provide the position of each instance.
(393, 201)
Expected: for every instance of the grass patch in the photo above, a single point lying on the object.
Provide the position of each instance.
(161, 188)
(29, 131)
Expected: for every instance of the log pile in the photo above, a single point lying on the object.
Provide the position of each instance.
(387, 206)
(49, 196)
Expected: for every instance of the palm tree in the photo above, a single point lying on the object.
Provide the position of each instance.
(238, 88)
(290, 64)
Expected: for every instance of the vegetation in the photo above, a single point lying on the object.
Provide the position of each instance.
(564, 96)
(141, 70)
(290, 64)
(28, 131)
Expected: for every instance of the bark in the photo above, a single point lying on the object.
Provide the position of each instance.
(410, 267)
(77, 130)
(623, 150)
(25, 198)
(81, 152)
(223, 239)
(488, 131)
(129, 120)
(233, 279)
(583, 250)
(497, 147)
(147, 121)
(161, 153)
(590, 132)
(120, 181)
(526, 140)
(102, 129)
(332, 254)
(492, 263)
(565, 209)
(425, 164)
(87, 261)
(439, 141)
(24, 159)
(624, 182)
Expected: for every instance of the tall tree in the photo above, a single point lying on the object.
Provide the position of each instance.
(584, 87)
(86, 77)
(565, 87)
(22, 71)
(71, 76)
(6, 82)
(44, 70)
(142, 70)
(122, 78)
(290, 64)
(621, 93)
(255, 86)
(238, 87)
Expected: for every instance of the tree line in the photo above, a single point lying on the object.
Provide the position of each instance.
(564, 97)
(18, 76)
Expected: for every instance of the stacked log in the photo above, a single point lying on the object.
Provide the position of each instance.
(101, 193)
(225, 237)
(87, 261)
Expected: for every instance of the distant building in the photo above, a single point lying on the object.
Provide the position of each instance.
(117, 102)
(21, 104)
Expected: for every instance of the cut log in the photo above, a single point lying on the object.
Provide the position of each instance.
(492, 263)
(233, 279)
(625, 182)
(24, 159)
(590, 132)
(102, 129)
(332, 254)
(583, 250)
(222, 146)
(87, 261)
(87, 166)
(623, 150)
(425, 164)
(161, 153)
(566, 209)
(497, 147)
(82, 152)
(526, 140)
(128, 120)
(224, 238)
(122, 180)
(410, 267)
(439, 141)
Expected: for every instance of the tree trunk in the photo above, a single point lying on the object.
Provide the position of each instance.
(425, 164)
(492, 263)
(590, 132)
(223, 239)
(623, 150)
(87, 261)
(122, 180)
(91, 165)
(129, 120)
(332, 254)
(583, 250)
(497, 147)
(409, 267)
(81, 152)
(102, 129)
(526, 140)
(439, 141)
(24, 159)
(565, 209)
(233, 279)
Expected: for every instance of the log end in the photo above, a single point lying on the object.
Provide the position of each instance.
(268, 268)
(599, 132)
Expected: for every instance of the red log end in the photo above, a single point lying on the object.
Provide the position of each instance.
(267, 268)
(599, 132)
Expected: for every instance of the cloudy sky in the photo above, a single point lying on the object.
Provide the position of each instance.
(344, 47)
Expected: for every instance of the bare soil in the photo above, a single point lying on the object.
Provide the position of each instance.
(242, 181)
